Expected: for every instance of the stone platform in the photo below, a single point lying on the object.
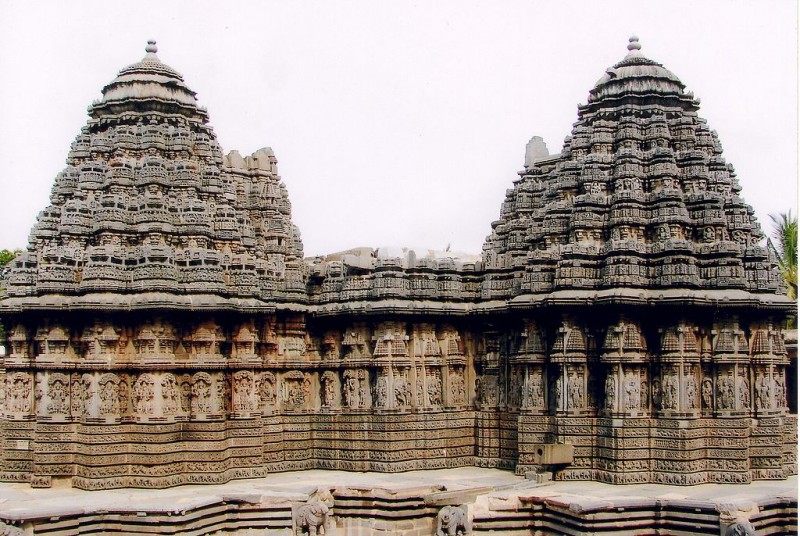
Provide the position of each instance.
(495, 502)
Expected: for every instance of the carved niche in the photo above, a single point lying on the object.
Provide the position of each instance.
(101, 341)
(296, 391)
(329, 389)
(245, 343)
(355, 342)
(202, 401)
(19, 394)
(267, 392)
(156, 341)
(205, 342)
(53, 344)
(244, 393)
(144, 404)
(355, 389)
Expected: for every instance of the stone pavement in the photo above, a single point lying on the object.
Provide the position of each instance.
(20, 501)
(490, 493)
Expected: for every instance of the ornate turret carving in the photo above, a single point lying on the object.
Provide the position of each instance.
(148, 203)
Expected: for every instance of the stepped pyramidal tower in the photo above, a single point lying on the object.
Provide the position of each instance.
(623, 325)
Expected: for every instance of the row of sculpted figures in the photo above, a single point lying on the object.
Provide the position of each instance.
(158, 396)
(720, 370)
(564, 367)
(636, 391)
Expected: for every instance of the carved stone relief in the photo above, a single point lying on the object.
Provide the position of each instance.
(202, 401)
(329, 383)
(243, 391)
(453, 521)
(457, 385)
(296, 390)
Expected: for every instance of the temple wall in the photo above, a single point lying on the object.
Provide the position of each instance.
(136, 401)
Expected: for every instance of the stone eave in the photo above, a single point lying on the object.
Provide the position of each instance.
(110, 302)
(393, 307)
(722, 299)
(162, 105)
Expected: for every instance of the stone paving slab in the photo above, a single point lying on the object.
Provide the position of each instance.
(496, 490)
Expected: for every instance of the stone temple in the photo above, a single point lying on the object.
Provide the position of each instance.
(624, 323)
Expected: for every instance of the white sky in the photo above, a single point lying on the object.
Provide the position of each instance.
(394, 123)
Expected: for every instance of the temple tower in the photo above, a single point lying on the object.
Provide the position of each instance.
(127, 305)
(636, 235)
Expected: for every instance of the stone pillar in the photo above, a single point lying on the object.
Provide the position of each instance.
(573, 420)
(626, 383)
(453, 369)
(731, 361)
(568, 371)
(769, 361)
(533, 423)
(392, 383)
(487, 398)
(530, 357)
(729, 462)
(623, 430)
(676, 400)
(676, 389)
(768, 459)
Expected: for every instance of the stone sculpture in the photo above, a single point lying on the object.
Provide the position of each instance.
(328, 396)
(313, 517)
(10, 530)
(708, 393)
(453, 521)
(611, 392)
(740, 528)
(691, 392)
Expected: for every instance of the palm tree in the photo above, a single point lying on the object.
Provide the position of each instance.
(785, 235)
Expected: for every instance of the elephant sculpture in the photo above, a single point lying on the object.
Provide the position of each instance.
(453, 521)
(312, 518)
(740, 528)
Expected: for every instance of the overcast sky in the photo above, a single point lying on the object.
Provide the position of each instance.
(394, 123)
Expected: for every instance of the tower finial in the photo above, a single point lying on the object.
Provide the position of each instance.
(633, 43)
(151, 47)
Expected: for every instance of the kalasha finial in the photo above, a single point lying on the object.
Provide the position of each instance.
(633, 43)
(151, 47)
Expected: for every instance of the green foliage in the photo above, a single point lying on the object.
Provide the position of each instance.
(7, 256)
(785, 235)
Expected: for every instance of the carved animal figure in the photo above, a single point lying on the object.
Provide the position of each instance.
(452, 521)
(740, 528)
(10, 530)
(312, 518)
